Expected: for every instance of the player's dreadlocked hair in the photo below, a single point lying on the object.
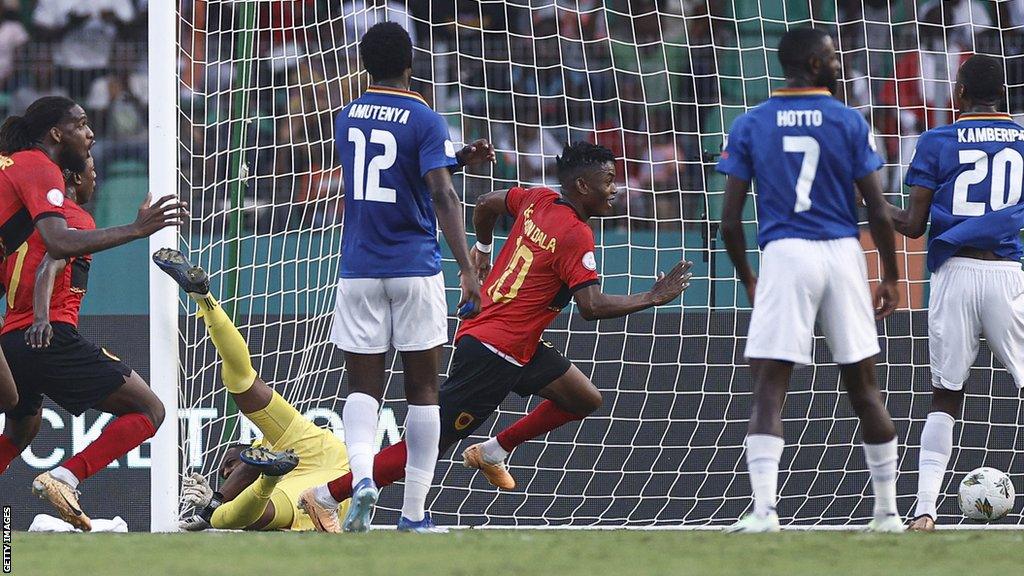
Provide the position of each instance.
(796, 45)
(23, 132)
(982, 78)
(386, 50)
(580, 156)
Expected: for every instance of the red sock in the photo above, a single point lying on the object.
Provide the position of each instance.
(540, 421)
(388, 468)
(119, 437)
(8, 452)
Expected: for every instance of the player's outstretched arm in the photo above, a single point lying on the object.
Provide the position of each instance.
(732, 232)
(913, 220)
(489, 208)
(449, 215)
(40, 333)
(880, 222)
(596, 305)
(63, 242)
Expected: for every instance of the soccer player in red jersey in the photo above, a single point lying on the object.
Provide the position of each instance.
(56, 361)
(547, 261)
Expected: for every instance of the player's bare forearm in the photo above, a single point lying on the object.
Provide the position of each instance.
(63, 242)
(448, 208)
(912, 221)
(596, 305)
(42, 293)
(489, 208)
(732, 228)
(880, 223)
(39, 334)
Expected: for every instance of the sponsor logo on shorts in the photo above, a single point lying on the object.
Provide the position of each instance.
(464, 420)
(109, 355)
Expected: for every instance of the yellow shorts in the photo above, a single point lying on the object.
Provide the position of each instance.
(322, 458)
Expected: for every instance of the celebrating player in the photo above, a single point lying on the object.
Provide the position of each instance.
(806, 150)
(396, 158)
(261, 486)
(59, 363)
(959, 176)
(548, 260)
(54, 134)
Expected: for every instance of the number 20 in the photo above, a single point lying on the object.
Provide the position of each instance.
(997, 195)
(366, 178)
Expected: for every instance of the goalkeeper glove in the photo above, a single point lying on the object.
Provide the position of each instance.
(196, 491)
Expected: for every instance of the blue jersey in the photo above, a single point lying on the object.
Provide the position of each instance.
(804, 149)
(387, 140)
(975, 167)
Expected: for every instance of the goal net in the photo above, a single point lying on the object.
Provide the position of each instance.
(659, 83)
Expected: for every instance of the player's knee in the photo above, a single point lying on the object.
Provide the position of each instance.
(8, 400)
(588, 402)
(154, 410)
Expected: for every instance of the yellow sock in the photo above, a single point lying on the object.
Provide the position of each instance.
(247, 507)
(237, 372)
(275, 419)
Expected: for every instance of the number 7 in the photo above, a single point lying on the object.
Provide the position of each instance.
(809, 147)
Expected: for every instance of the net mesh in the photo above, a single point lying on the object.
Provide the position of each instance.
(659, 83)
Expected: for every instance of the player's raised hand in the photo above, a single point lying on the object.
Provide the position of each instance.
(196, 491)
(39, 334)
(167, 211)
(481, 263)
(887, 297)
(469, 304)
(669, 286)
(477, 152)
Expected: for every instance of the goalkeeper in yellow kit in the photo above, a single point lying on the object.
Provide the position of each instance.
(261, 483)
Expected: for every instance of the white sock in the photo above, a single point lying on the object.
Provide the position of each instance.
(359, 417)
(763, 454)
(936, 448)
(493, 452)
(422, 433)
(881, 460)
(64, 475)
(323, 497)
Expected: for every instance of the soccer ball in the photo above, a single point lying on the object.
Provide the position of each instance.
(986, 494)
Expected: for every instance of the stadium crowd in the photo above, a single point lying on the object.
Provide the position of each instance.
(657, 81)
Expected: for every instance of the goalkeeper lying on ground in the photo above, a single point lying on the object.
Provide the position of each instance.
(261, 484)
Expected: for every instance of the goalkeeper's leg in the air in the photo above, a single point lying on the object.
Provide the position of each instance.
(246, 498)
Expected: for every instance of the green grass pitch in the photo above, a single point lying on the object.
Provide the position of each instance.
(527, 552)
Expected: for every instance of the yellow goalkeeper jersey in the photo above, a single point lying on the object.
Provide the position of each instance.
(322, 458)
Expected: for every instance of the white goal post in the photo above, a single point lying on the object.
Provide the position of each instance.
(245, 94)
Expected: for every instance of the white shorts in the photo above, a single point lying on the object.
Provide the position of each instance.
(372, 314)
(972, 298)
(803, 280)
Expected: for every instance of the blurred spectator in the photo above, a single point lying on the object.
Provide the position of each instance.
(38, 82)
(12, 37)
(84, 33)
(963, 19)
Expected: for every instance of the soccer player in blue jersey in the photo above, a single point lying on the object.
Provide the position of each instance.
(968, 177)
(396, 157)
(805, 150)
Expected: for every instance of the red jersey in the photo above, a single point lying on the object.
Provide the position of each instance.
(31, 188)
(19, 277)
(549, 255)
